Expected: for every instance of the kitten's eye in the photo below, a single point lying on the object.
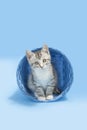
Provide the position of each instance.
(44, 60)
(36, 63)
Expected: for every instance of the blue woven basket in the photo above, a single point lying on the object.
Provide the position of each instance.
(63, 69)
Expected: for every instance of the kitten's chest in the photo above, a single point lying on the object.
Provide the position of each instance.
(43, 77)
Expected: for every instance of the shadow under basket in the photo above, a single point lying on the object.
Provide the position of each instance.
(63, 69)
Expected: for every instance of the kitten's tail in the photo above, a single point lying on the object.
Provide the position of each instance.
(57, 91)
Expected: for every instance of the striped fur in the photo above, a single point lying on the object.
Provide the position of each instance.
(42, 80)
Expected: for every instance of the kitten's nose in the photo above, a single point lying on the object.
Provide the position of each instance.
(41, 65)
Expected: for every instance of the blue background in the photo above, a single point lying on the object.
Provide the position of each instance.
(28, 25)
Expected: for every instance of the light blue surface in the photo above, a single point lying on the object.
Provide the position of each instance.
(26, 25)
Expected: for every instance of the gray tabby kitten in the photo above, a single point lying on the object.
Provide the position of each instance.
(42, 80)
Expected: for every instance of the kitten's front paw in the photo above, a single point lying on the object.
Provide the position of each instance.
(49, 97)
(40, 98)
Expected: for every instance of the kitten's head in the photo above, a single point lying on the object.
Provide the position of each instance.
(39, 59)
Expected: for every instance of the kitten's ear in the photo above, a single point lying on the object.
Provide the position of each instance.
(45, 49)
(29, 54)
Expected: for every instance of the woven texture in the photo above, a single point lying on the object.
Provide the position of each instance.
(63, 69)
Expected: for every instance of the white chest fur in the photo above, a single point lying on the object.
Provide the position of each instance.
(43, 77)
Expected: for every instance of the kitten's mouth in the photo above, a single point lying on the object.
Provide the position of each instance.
(41, 67)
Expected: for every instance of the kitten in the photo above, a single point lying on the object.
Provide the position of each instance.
(42, 80)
